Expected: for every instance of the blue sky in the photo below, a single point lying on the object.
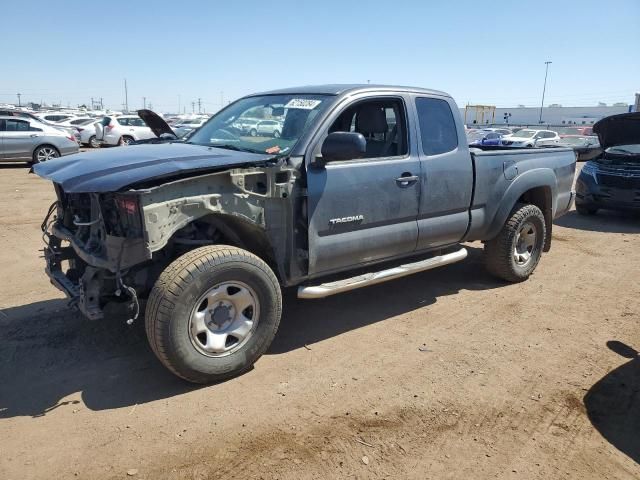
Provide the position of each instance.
(169, 51)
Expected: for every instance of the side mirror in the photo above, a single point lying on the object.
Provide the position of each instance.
(343, 146)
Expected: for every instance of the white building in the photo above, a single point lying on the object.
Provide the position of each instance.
(556, 115)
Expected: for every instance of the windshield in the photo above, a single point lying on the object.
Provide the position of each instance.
(236, 126)
(579, 141)
(525, 133)
(625, 149)
(476, 136)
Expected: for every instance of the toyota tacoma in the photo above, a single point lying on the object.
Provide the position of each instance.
(363, 185)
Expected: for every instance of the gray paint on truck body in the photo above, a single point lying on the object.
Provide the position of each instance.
(458, 196)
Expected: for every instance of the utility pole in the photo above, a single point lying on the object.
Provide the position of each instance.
(178, 104)
(199, 105)
(19, 101)
(144, 102)
(101, 104)
(544, 89)
(193, 107)
(126, 97)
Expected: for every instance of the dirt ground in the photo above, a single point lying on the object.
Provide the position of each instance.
(445, 374)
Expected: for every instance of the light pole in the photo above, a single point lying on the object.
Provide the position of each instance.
(19, 102)
(544, 89)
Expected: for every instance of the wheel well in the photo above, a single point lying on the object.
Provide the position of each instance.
(226, 230)
(541, 198)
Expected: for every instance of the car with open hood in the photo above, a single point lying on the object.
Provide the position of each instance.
(586, 147)
(612, 179)
(363, 184)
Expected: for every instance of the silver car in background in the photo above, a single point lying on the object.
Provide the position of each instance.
(25, 139)
(270, 128)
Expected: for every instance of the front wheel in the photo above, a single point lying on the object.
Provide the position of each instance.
(514, 254)
(253, 132)
(276, 134)
(213, 312)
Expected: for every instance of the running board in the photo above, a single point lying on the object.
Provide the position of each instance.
(327, 289)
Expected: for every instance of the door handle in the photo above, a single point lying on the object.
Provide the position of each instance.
(33, 135)
(407, 179)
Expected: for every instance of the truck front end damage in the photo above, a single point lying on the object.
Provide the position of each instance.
(109, 248)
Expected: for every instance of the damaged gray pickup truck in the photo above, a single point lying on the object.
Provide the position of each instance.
(355, 185)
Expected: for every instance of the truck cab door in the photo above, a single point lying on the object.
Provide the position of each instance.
(364, 210)
(446, 173)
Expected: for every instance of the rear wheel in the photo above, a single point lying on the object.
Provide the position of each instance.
(584, 210)
(126, 140)
(44, 153)
(514, 254)
(253, 132)
(93, 142)
(212, 313)
(276, 134)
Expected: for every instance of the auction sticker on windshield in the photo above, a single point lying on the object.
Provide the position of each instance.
(303, 103)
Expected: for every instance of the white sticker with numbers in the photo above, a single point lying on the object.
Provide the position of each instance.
(302, 103)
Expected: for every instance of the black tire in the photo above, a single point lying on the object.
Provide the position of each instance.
(177, 294)
(126, 140)
(38, 153)
(276, 134)
(584, 210)
(93, 142)
(500, 252)
(253, 132)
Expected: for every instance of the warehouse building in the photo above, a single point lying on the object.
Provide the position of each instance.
(551, 115)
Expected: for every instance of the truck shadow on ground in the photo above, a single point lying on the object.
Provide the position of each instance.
(50, 354)
(613, 404)
(606, 221)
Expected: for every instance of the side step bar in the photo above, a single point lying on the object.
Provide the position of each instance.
(331, 288)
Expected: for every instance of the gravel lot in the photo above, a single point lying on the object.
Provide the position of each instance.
(444, 374)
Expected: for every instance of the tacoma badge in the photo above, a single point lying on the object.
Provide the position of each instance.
(351, 219)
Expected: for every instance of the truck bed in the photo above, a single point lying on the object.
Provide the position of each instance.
(503, 172)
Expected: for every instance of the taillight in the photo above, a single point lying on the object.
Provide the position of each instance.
(80, 129)
(72, 138)
(109, 127)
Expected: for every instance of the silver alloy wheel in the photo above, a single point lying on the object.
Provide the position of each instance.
(525, 243)
(93, 142)
(224, 319)
(46, 153)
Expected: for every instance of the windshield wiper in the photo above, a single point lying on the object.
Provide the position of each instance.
(622, 150)
(233, 147)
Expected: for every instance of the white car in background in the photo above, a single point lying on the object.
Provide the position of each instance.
(270, 128)
(74, 121)
(122, 130)
(531, 138)
(86, 132)
(501, 131)
(55, 117)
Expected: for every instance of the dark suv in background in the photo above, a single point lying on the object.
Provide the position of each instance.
(612, 179)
